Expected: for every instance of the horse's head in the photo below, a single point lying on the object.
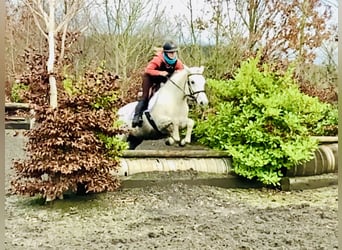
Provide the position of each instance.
(197, 85)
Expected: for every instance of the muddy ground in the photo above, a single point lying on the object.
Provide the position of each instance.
(178, 216)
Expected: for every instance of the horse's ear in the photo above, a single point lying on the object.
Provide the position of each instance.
(202, 69)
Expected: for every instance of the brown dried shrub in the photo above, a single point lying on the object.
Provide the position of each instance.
(64, 152)
(327, 94)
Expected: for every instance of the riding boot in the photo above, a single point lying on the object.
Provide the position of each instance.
(137, 118)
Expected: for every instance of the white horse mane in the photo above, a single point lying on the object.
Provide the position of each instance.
(179, 75)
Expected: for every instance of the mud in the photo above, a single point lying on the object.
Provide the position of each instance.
(177, 216)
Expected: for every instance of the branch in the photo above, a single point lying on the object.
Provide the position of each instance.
(34, 11)
(63, 43)
(45, 15)
(37, 14)
(71, 12)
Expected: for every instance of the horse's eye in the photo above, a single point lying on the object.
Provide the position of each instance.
(192, 82)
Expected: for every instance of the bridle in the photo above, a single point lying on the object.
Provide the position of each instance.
(192, 93)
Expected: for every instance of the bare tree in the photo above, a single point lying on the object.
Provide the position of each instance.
(20, 33)
(123, 34)
(285, 28)
(44, 13)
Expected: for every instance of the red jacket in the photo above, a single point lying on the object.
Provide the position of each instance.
(158, 64)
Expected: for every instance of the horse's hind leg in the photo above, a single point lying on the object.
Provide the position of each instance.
(133, 142)
(189, 126)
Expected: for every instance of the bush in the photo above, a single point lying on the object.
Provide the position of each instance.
(263, 121)
(74, 147)
(17, 92)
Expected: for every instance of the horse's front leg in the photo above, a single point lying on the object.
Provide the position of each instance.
(174, 135)
(175, 132)
(189, 126)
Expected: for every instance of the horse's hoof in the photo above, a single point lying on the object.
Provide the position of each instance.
(169, 141)
(182, 143)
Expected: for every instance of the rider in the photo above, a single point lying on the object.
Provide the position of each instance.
(162, 66)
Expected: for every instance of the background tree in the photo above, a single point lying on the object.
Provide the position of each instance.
(124, 35)
(44, 13)
(285, 29)
(21, 33)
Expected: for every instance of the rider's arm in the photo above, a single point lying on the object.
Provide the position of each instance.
(153, 66)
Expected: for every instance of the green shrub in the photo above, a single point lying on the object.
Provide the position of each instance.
(263, 121)
(68, 86)
(114, 145)
(327, 124)
(17, 91)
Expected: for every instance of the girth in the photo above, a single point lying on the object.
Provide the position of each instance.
(152, 122)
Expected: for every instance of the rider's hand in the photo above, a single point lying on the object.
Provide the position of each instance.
(163, 73)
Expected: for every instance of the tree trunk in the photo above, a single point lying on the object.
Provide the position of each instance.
(51, 59)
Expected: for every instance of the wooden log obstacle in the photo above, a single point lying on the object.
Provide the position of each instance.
(211, 161)
(324, 161)
(138, 161)
(318, 172)
(15, 121)
(136, 166)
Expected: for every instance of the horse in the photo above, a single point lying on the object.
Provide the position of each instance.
(168, 109)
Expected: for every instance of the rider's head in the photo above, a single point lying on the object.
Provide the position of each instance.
(170, 49)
